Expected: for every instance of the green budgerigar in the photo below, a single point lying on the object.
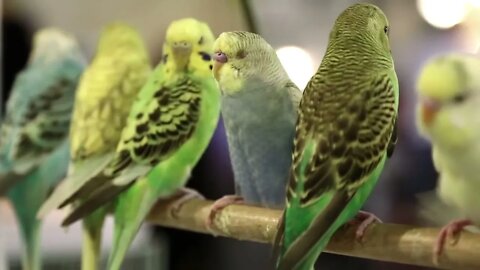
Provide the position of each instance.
(104, 98)
(33, 142)
(169, 127)
(344, 134)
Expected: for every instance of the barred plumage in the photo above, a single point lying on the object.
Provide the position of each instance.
(34, 133)
(356, 116)
(164, 125)
(107, 90)
(168, 128)
(344, 133)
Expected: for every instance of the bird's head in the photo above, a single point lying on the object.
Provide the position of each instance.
(240, 56)
(188, 46)
(50, 44)
(448, 97)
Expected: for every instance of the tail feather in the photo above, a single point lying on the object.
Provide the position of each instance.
(278, 242)
(124, 236)
(301, 253)
(93, 202)
(92, 239)
(25, 203)
(31, 257)
(78, 177)
(131, 209)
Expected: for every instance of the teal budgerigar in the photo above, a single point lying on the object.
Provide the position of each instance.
(447, 115)
(344, 134)
(105, 95)
(169, 127)
(259, 110)
(33, 142)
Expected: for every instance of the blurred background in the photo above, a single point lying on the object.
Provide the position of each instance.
(299, 30)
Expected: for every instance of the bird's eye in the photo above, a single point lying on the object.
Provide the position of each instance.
(459, 98)
(205, 56)
(386, 29)
(241, 54)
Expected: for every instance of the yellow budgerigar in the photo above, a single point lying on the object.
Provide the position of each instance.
(105, 96)
(447, 115)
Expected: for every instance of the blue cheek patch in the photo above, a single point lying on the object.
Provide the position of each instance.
(205, 56)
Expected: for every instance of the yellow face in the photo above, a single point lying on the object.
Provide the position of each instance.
(446, 101)
(439, 83)
(225, 68)
(189, 46)
(240, 56)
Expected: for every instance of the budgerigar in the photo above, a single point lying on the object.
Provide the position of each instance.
(447, 115)
(169, 127)
(259, 110)
(345, 132)
(106, 93)
(33, 142)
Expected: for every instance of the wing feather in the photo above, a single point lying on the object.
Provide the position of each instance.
(157, 127)
(351, 136)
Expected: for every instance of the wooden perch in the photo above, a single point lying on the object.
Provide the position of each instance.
(383, 242)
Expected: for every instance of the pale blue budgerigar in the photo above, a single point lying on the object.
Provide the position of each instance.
(33, 142)
(259, 110)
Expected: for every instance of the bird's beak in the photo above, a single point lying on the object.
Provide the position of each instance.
(182, 48)
(429, 108)
(219, 59)
(181, 53)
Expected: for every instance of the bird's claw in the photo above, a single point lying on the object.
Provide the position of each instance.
(451, 231)
(363, 220)
(219, 205)
(185, 195)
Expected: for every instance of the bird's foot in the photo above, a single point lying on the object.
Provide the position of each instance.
(219, 205)
(451, 230)
(362, 220)
(184, 195)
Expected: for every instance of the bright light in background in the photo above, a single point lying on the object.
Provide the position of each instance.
(443, 13)
(474, 3)
(298, 63)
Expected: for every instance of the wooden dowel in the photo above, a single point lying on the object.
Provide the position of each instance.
(383, 242)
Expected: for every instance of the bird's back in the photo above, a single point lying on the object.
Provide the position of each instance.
(38, 111)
